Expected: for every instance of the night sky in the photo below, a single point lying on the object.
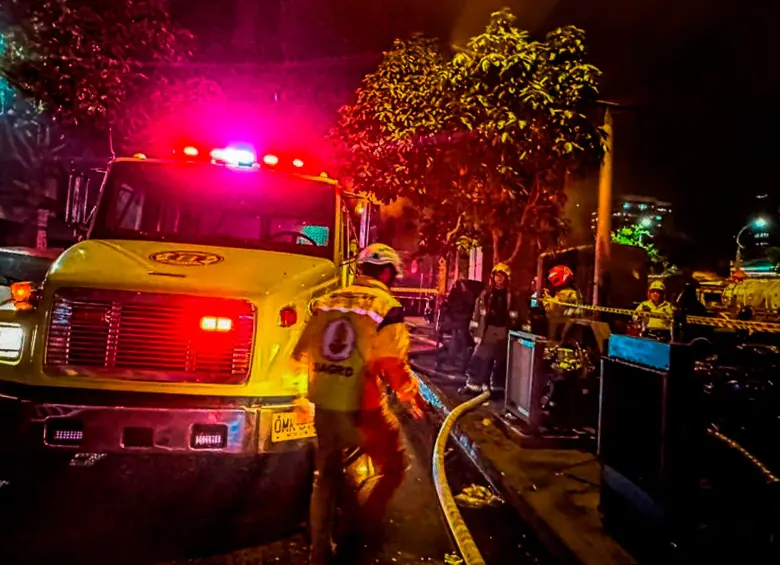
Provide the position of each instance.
(704, 75)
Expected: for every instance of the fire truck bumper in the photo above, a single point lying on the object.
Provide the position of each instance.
(115, 423)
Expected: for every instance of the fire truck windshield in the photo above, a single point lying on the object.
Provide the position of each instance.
(213, 205)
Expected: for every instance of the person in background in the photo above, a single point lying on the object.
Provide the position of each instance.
(458, 308)
(688, 300)
(565, 290)
(656, 312)
(495, 313)
(354, 344)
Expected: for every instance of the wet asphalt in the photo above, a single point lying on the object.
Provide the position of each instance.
(166, 511)
(162, 511)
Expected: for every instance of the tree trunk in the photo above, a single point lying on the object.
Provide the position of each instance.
(533, 199)
(518, 247)
(496, 246)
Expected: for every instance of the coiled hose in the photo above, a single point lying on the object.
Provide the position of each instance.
(468, 549)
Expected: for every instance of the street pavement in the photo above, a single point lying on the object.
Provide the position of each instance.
(127, 512)
(155, 512)
(162, 511)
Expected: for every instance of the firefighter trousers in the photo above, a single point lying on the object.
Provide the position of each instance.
(377, 434)
(488, 365)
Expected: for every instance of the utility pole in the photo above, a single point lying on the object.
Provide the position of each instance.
(604, 230)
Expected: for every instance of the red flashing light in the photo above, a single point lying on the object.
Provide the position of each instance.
(191, 151)
(271, 160)
(297, 163)
(288, 317)
(214, 324)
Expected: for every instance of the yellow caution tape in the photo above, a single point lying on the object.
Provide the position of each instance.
(766, 327)
(409, 290)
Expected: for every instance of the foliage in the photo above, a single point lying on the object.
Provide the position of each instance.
(481, 143)
(173, 105)
(637, 236)
(84, 64)
(774, 256)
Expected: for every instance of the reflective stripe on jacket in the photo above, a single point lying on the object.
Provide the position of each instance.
(355, 340)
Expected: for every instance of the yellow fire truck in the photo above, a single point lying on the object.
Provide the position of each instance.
(167, 329)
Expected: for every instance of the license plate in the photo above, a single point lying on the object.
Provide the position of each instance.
(286, 426)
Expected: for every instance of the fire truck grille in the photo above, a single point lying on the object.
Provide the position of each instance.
(149, 336)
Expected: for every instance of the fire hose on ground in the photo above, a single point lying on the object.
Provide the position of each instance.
(769, 477)
(466, 545)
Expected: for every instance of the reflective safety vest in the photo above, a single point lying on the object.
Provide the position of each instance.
(663, 309)
(355, 336)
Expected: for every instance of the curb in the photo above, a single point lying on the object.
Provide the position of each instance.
(442, 405)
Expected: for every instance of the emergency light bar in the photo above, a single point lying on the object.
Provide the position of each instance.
(234, 157)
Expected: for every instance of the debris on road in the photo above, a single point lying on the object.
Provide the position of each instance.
(453, 559)
(477, 496)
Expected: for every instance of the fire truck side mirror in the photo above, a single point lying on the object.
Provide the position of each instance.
(76, 206)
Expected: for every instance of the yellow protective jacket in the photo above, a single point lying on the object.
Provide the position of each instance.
(662, 309)
(568, 295)
(355, 341)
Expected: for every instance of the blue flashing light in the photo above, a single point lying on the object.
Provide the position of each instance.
(234, 157)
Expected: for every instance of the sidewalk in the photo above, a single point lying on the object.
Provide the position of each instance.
(555, 490)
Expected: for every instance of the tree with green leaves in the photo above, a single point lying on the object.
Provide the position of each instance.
(773, 253)
(481, 143)
(91, 68)
(637, 236)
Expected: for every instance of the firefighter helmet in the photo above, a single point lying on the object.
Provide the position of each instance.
(381, 254)
(502, 268)
(560, 275)
(657, 285)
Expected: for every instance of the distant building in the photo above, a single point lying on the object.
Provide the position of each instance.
(650, 213)
(756, 240)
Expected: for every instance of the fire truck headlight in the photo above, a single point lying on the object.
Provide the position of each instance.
(11, 341)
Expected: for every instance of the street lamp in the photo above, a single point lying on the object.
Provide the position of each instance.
(758, 223)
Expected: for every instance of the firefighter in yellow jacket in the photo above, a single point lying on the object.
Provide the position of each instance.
(355, 343)
(656, 305)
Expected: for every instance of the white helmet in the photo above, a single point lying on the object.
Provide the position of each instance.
(381, 254)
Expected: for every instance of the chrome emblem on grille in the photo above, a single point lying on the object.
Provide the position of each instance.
(186, 258)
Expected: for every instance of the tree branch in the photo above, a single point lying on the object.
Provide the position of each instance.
(496, 241)
(454, 231)
(531, 205)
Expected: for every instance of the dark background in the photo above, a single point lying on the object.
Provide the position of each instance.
(702, 74)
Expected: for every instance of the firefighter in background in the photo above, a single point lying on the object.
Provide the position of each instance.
(495, 313)
(355, 342)
(565, 290)
(656, 304)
